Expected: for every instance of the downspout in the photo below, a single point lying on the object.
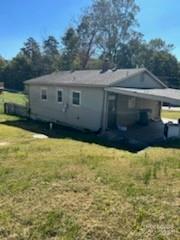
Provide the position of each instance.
(27, 89)
(160, 109)
(104, 112)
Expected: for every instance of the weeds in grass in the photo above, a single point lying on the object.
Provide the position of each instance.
(156, 168)
(131, 190)
(165, 170)
(55, 224)
(66, 189)
(147, 176)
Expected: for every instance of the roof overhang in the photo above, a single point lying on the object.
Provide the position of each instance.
(167, 95)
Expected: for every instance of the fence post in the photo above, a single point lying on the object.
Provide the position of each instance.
(5, 108)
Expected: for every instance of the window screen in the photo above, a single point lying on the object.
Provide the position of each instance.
(44, 94)
(76, 98)
(59, 96)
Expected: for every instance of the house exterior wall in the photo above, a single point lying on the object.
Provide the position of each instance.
(86, 116)
(92, 114)
(128, 109)
(1, 87)
(143, 80)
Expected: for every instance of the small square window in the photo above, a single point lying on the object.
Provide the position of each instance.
(59, 96)
(76, 98)
(44, 94)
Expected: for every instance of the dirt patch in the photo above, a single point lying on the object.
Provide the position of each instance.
(3, 144)
(40, 136)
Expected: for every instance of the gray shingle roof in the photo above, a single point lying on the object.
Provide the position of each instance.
(85, 78)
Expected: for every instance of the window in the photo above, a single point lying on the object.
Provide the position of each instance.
(132, 103)
(44, 94)
(76, 98)
(59, 96)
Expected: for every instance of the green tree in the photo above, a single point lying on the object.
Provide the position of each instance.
(3, 64)
(31, 51)
(51, 55)
(156, 56)
(104, 28)
(159, 45)
(70, 43)
(27, 64)
(50, 46)
(165, 65)
(16, 71)
(87, 32)
(115, 21)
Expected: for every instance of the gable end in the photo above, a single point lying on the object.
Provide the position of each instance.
(142, 80)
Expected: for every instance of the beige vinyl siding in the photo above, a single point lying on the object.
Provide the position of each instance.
(86, 116)
(143, 80)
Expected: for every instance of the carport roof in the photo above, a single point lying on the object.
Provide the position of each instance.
(167, 95)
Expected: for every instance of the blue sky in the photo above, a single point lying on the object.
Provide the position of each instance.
(20, 19)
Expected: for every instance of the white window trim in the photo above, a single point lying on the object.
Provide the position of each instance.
(46, 89)
(59, 89)
(75, 91)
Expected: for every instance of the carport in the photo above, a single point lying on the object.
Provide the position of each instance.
(125, 105)
(154, 131)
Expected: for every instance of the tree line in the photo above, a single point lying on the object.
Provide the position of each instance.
(106, 30)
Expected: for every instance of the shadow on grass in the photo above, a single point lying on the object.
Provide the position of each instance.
(61, 132)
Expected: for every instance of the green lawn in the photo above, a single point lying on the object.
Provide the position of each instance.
(62, 188)
(18, 98)
(171, 114)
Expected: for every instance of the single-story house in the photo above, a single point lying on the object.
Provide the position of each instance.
(96, 100)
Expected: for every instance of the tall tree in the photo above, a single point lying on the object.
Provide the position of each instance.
(87, 31)
(18, 70)
(158, 45)
(51, 55)
(105, 27)
(165, 65)
(70, 42)
(27, 64)
(50, 46)
(31, 51)
(3, 64)
(115, 21)
(156, 56)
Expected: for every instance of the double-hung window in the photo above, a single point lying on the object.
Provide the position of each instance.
(59, 96)
(76, 98)
(44, 95)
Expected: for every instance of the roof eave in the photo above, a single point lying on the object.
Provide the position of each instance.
(67, 85)
(155, 78)
(144, 95)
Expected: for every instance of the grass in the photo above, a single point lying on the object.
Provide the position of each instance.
(17, 98)
(60, 188)
(171, 114)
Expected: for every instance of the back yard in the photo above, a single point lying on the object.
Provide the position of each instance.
(66, 188)
(171, 114)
